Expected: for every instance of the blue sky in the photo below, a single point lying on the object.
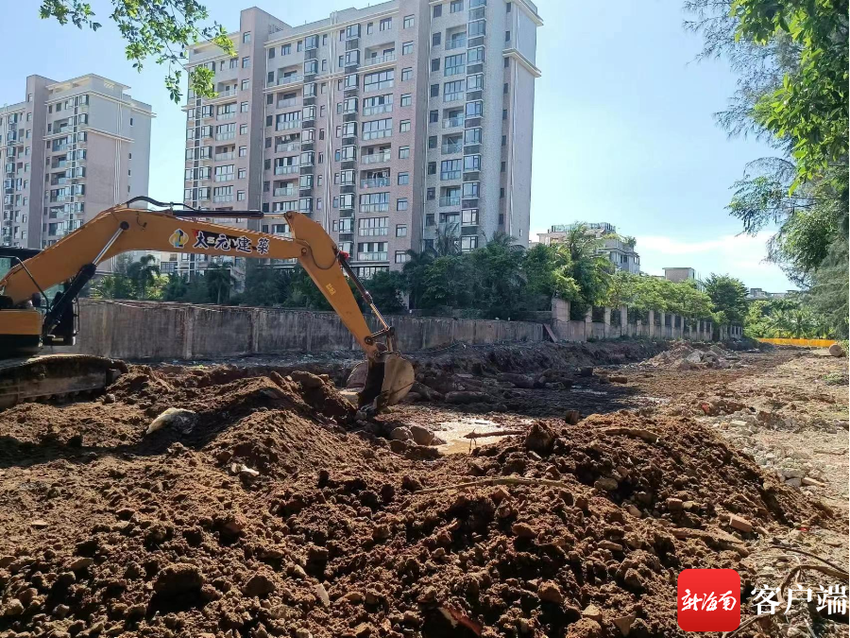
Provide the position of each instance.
(623, 122)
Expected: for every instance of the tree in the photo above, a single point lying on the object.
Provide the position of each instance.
(143, 274)
(728, 295)
(497, 287)
(385, 288)
(219, 282)
(176, 288)
(447, 283)
(582, 263)
(113, 286)
(266, 285)
(158, 29)
(414, 271)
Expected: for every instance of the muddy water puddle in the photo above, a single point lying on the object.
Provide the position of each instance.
(454, 432)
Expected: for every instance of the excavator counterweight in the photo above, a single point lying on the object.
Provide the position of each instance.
(38, 293)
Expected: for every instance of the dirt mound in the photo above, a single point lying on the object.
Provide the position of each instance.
(264, 514)
(685, 355)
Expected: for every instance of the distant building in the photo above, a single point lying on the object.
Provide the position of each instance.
(68, 151)
(678, 275)
(619, 251)
(758, 293)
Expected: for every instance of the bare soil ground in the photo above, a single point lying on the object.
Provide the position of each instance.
(273, 509)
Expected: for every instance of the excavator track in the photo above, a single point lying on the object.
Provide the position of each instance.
(55, 377)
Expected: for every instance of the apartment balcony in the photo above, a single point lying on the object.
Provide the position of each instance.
(450, 200)
(287, 148)
(372, 256)
(375, 182)
(374, 208)
(225, 136)
(375, 158)
(447, 176)
(285, 192)
(377, 60)
(287, 170)
(61, 164)
(458, 43)
(452, 97)
(224, 177)
(218, 199)
(379, 134)
(223, 156)
(292, 79)
(448, 149)
(288, 125)
(226, 93)
(226, 116)
(377, 110)
(453, 122)
(282, 104)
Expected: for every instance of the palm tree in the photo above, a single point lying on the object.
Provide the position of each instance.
(447, 241)
(143, 274)
(219, 281)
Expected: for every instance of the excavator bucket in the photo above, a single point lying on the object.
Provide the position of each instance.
(388, 381)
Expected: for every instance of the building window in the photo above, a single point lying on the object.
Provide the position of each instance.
(409, 21)
(450, 169)
(472, 163)
(501, 193)
(401, 203)
(507, 62)
(436, 38)
(372, 226)
(469, 217)
(386, 24)
(246, 37)
(453, 91)
(131, 121)
(243, 107)
(240, 196)
(435, 90)
(502, 169)
(504, 114)
(430, 220)
(468, 242)
(407, 48)
(475, 82)
(246, 84)
(370, 28)
(507, 7)
(406, 74)
(243, 151)
(272, 52)
(406, 99)
(404, 126)
(380, 80)
(246, 62)
(438, 10)
(432, 141)
(456, 6)
(504, 140)
(286, 49)
(476, 28)
(472, 136)
(403, 179)
(431, 193)
(404, 152)
(470, 190)
(433, 117)
(475, 55)
(435, 64)
(401, 230)
(507, 36)
(455, 64)
(242, 173)
(432, 168)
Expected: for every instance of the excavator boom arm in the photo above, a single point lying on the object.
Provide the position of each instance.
(122, 229)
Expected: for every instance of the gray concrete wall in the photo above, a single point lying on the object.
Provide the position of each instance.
(151, 330)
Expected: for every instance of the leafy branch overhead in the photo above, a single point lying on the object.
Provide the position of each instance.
(154, 29)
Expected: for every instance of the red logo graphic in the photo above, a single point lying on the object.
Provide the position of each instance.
(709, 600)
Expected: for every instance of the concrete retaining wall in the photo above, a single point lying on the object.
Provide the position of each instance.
(150, 330)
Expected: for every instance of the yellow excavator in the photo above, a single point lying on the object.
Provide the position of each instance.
(31, 318)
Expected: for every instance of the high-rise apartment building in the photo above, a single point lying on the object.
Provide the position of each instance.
(388, 125)
(68, 151)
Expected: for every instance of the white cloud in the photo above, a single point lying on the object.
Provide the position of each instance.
(741, 256)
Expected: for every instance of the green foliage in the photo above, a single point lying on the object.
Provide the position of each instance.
(414, 274)
(810, 105)
(728, 295)
(157, 29)
(219, 282)
(144, 274)
(386, 289)
(113, 286)
(176, 288)
(792, 317)
(643, 293)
